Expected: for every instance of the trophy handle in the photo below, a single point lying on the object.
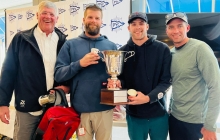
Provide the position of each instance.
(131, 54)
(100, 53)
(95, 50)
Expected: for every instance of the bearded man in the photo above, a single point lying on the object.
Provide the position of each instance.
(76, 62)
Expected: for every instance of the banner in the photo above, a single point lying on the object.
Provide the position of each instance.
(70, 22)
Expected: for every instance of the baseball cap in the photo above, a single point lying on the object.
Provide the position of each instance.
(136, 15)
(179, 15)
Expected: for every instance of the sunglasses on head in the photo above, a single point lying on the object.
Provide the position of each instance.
(90, 5)
(170, 16)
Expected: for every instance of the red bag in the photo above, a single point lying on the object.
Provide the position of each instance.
(59, 123)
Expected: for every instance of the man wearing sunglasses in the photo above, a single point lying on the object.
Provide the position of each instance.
(195, 75)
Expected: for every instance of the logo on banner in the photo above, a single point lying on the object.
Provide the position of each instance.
(102, 3)
(11, 17)
(115, 2)
(103, 25)
(20, 16)
(73, 28)
(29, 15)
(61, 10)
(11, 33)
(74, 8)
(62, 28)
(118, 45)
(116, 24)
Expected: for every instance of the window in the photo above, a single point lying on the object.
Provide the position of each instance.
(2, 39)
(162, 6)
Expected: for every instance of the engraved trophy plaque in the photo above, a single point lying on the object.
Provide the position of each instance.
(114, 61)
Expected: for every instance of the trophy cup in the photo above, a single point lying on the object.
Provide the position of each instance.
(114, 61)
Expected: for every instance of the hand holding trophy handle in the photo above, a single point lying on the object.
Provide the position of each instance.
(95, 50)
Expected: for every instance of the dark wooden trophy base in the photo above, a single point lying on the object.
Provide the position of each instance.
(114, 97)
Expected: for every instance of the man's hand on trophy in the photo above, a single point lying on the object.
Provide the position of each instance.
(89, 59)
(140, 98)
(113, 83)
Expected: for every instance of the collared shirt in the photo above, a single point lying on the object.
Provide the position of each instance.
(48, 49)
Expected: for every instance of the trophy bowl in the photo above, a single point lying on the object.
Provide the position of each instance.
(114, 61)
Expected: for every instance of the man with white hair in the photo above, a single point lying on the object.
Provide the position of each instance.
(28, 70)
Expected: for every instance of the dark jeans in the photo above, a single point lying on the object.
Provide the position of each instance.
(179, 130)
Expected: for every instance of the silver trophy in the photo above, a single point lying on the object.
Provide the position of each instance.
(114, 61)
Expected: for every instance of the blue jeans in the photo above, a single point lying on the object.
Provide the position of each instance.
(140, 128)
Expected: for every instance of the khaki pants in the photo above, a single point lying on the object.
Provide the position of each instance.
(25, 126)
(96, 123)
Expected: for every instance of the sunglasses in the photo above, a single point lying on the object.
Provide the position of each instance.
(179, 14)
(93, 5)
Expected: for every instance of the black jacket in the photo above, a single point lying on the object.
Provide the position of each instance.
(155, 76)
(23, 72)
